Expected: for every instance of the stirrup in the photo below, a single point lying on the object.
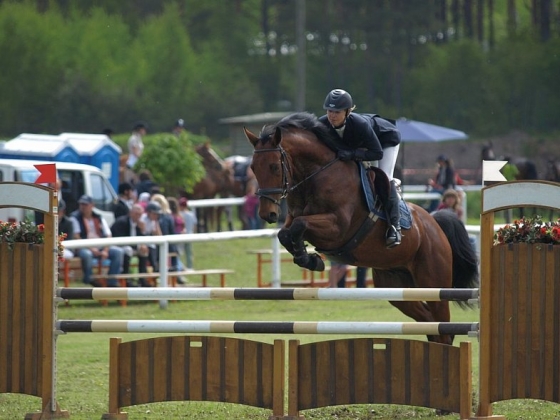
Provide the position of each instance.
(393, 237)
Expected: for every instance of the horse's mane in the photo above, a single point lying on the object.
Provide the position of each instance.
(303, 121)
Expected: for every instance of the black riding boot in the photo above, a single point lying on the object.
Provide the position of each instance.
(393, 236)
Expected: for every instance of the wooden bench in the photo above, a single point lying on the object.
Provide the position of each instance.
(173, 275)
(322, 280)
(264, 256)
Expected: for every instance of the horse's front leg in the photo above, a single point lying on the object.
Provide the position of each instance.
(291, 236)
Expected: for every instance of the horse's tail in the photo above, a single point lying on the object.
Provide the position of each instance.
(465, 262)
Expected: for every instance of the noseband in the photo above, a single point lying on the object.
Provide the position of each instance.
(285, 189)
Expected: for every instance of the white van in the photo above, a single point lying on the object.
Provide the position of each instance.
(77, 179)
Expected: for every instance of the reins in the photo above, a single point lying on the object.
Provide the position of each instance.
(285, 189)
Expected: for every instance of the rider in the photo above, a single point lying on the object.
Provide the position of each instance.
(360, 143)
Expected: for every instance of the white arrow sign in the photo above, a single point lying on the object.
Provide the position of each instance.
(491, 170)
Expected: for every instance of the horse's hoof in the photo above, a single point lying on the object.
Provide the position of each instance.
(302, 260)
(319, 264)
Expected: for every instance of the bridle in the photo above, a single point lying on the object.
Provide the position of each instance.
(285, 189)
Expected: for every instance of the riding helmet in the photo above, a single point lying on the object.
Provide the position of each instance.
(338, 100)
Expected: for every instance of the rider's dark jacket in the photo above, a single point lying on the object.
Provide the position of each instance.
(358, 134)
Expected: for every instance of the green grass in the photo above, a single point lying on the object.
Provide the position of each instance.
(83, 360)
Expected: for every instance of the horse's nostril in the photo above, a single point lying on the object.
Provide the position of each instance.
(272, 217)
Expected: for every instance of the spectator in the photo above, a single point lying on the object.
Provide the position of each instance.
(445, 179)
(145, 183)
(135, 144)
(131, 225)
(251, 207)
(65, 226)
(179, 127)
(451, 201)
(178, 222)
(157, 223)
(88, 224)
(337, 274)
(190, 220)
(121, 207)
(167, 227)
(144, 199)
(150, 220)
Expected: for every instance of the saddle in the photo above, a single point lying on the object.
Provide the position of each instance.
(377, 187)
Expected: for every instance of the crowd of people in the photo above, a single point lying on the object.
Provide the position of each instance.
(154, 215)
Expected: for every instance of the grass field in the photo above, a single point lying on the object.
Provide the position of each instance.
(82, 384)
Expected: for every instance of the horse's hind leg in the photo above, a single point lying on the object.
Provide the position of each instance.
(419, 311)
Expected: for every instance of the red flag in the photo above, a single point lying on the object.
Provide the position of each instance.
(47, 173)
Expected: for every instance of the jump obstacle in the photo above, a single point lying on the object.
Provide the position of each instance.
(348, 371)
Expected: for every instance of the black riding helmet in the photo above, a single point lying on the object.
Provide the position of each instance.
(338, 100)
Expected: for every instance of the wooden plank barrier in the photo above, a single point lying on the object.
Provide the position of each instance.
(196, 369)
(380, 371)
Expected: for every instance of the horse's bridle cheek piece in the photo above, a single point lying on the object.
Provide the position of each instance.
(283, 190)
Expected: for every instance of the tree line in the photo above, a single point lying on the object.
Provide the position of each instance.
(482, 66)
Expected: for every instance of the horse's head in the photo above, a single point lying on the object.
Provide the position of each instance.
(210, 159)
(269, 168)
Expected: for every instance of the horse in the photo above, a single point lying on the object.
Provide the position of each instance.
(295, 159)
(218, 181)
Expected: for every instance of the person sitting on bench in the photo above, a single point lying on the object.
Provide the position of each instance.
(131, 225)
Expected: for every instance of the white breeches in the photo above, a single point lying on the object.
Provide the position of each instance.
(387, 164)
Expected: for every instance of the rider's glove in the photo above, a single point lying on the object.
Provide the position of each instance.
(345, 154)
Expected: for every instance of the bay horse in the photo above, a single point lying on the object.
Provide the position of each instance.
(326, 207)
(217, 182)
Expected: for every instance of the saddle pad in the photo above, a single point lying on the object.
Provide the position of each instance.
(406, 217)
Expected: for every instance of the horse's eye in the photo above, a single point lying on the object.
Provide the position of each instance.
(275, 168)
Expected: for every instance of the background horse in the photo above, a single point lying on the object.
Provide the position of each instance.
(217, 182)
(326, 207)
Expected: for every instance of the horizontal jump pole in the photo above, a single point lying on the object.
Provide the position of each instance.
(177, 293)
(268, 327)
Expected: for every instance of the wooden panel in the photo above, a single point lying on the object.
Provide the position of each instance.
(392, 371)
(21, 290)
(196, 368)
(525, 314)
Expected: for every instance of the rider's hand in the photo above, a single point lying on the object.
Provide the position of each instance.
(345, 154)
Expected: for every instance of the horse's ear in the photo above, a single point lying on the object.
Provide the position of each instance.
(277, 137)
(251, 137)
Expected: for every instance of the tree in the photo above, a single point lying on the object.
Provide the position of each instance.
(172, 162)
